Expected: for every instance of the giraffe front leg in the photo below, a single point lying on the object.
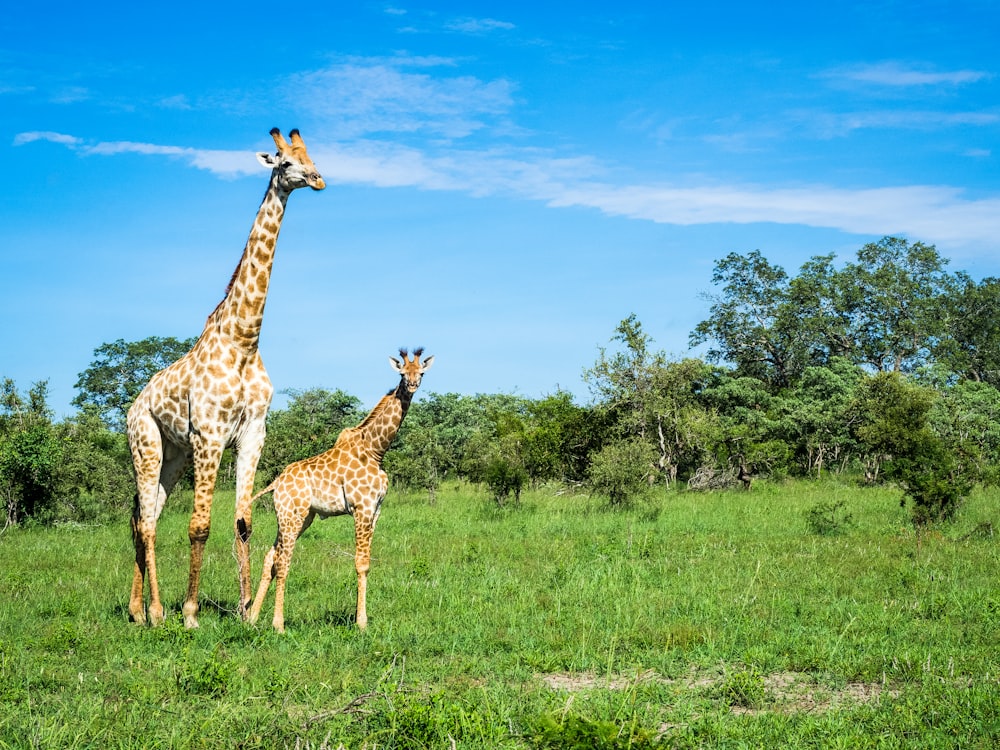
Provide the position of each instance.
(364, 529)
(247, 458)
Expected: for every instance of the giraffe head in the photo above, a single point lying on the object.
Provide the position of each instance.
(411, 370)
(292, 166)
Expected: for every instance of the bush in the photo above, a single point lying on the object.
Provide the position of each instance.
(505, 477)
(828, 518)
(622, 471)
(892, 420)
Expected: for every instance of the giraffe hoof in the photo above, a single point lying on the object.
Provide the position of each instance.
(190, 615)
(156, 617)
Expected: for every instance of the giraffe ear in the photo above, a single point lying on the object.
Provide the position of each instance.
(427, 364)
(396, 365)
(268, 160)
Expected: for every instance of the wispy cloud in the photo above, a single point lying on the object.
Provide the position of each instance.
(45, 135)
(928, 212)
(478, 25)
(931, 213)
(178, 101)
(395, 95)
(70, 95)
(223, 163)
(895, 74)
(835, 124)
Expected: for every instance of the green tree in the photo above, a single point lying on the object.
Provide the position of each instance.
(749, 321)
(895, 295)
(813, 416)
(818, 308)
(650, 399)
(747, 438)
(558, 438)
(30, 453)
(966, 415)
(309, 425)
(625, 380)
(121, 370)
(94, 476)
(417, 459)
(972, 347)
(891, 419)
(454, 420)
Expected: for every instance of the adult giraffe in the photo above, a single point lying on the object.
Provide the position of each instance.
(348, 478)
(215, 396)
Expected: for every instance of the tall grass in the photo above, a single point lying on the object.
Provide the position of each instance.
(694, 619)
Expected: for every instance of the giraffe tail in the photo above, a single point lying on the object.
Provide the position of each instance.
(269, 488)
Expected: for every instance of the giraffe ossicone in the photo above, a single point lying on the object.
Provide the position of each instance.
(347, 479)
(215, 396)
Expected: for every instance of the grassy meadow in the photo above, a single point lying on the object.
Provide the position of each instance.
(691, 620)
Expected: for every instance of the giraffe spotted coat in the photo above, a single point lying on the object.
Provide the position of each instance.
(347, 479)
(215, 396)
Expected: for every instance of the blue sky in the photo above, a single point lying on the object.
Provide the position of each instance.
(506, 181)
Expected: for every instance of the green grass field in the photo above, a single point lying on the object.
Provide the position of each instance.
(693, 620)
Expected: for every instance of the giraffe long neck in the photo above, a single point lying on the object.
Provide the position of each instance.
(241, 313)
(381, 425)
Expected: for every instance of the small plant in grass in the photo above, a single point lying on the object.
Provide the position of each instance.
(743, 688)
(206, 676)
(574, 732)
(829, 518)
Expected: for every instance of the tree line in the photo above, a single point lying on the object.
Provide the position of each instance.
(885, 368)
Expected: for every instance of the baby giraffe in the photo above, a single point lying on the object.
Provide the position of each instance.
(348, 478)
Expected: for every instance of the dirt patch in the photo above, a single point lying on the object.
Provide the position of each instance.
(785, 692)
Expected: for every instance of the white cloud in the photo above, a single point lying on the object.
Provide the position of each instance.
(898, 75)
(70, 95)
(835, 124)
(930, 213)
(178, 101)
(380, 95)
(223, 163)
(478, 25)
(927, 212)
(66, 140)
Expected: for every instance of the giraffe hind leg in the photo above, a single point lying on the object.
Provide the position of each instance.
(136, 605)
(206, 463)
(288, 533)
(266, 576)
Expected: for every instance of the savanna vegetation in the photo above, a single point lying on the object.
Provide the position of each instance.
(785, 541)
(802, 614)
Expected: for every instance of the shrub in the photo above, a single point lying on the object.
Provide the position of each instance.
(574, 732)
(621, 472)
(828, 518)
